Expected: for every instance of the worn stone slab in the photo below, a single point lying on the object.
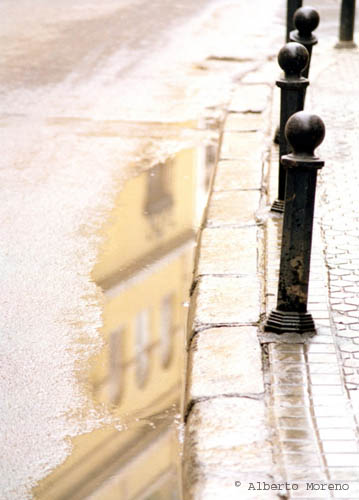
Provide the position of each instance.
(250, 98)
(224, 439)
(224, 300)
(224, 361)
(244, 122)
(238, 174)
(236, 54)
(246, 146)
(226, 250)
(266, 74)
(232, 208)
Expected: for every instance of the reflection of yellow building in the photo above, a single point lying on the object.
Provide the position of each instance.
(144, 270)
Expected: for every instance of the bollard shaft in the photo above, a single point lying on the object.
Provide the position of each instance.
(347, 18)
(292, 6)
(292, 100)
(297, 240)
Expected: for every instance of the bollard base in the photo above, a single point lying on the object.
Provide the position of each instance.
(346, 45)
(289, 322)
(278, 206)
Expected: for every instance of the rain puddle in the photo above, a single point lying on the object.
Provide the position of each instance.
(144, 271)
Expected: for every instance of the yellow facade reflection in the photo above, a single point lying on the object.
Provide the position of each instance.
(144, 270)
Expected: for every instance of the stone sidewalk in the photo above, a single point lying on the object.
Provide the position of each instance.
(270, 416)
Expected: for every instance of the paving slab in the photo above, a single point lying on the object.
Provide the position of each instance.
(228, 251)
(219, 301)
(244, 122)
(221, 450)
(246, 146)
(250, 99)
(224, 362)
(233, 208)
(238, 175)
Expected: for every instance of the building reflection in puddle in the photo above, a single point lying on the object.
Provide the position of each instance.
(144, 270)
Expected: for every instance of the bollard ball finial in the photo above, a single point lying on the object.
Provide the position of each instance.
(293, 57)
(304, 133)
(306, 20)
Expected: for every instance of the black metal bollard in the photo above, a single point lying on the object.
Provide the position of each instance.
(292, 58)
(306, 20)
(346, 30)
(292, 6)
(304, 132)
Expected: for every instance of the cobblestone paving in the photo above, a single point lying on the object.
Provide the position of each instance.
(338, 204)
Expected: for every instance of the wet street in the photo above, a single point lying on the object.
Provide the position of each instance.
(46, 42)
(109, 124)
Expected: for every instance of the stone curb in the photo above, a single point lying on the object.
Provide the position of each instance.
(227, 432)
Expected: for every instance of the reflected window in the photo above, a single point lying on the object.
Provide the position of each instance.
(115, 365)
(166, 328)
(142, 339)
(159, 198)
